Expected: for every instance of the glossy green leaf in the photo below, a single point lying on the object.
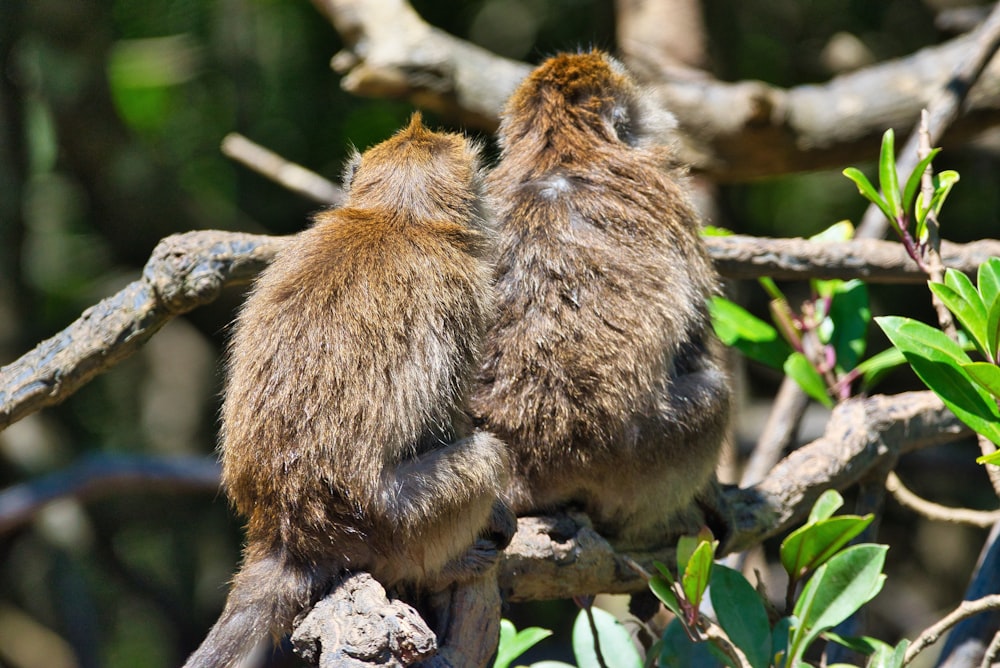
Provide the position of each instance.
(835, 592)
(868, 191)
(698, 573)
(779, 639)
(888, 178)
(886, 656)
(810, 546)
(943, 184)
(798, 368)
(826, 505)
(875, 367)
(988, 280)
(851, 314)
(737, 327)
(863, 645)
(938, 362)
(913, 182)
(993, 458)
(665, 592)
(678, 651)
(514, 643)
(972, 318)
(987, 375)
(741, 614)
(616, 643)
(993, 329)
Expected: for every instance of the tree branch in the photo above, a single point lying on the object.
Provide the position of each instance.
(734, 131)
(191, 269)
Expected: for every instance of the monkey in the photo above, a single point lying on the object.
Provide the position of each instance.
(345, 439)
(601, 373)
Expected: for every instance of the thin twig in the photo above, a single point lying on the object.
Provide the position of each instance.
(943, 110)
(718, 637)
(102, 475)
(933, 633)
(992, 652)
(296, 178)
(935, 511)
(782, 423)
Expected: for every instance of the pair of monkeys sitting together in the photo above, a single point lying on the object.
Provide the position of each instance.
(413, 365)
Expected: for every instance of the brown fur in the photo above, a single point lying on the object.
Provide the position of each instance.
(602, 373)
(344, 442)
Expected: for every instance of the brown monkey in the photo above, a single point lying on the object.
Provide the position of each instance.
(344, 441)
(602, 373)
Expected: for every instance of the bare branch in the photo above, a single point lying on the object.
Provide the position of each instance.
(861, 434)
(871, 260)
(191, 269)
(184, 271)
(736, 131)
(934, 511)
(933, 633)
(296, 178)
(104, 475)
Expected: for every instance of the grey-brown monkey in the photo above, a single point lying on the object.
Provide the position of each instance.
(602, 373)
(344, 438)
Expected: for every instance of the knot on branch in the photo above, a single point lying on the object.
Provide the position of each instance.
(188, 270)
(357, 625)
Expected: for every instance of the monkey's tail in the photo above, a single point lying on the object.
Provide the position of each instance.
(267, 593)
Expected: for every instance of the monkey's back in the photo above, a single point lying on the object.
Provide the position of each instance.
(602, 282)
(352, 315)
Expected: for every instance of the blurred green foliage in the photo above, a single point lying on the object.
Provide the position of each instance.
(111, 115)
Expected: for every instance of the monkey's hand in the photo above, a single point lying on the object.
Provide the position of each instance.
(484, 553)
(502, 525)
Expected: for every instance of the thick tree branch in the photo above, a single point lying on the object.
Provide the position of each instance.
(734, 131)
(191, 269)
(183, 272)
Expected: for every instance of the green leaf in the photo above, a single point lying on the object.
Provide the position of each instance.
(913, 183)
(888, 178)
(962, 299)
(616, 643)
(809, 547)
(514, 643)
(835, 592)
(993, 458)
(826, 505)
(678, 651)
(875, 367)
(686, 545)
(840, 231)
(987, 375)
(938, 362)
(851, 315)
(697, 573)
(664, 571)
(741, 614)
(943, 184)
(715, 231)
(779, 639)
(993, 329)
(886, 656)
(665, 593)
(988, 280)
(798, 368)
(863, 645)
(868, 190)
(737, 327)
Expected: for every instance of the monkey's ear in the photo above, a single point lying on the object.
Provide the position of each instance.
(351, 168)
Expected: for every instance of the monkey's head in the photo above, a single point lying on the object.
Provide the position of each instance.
(419, 173)
(574, 98)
